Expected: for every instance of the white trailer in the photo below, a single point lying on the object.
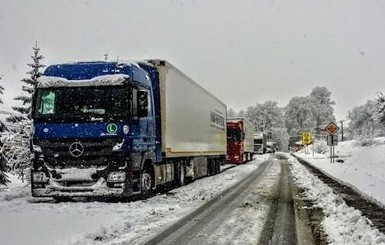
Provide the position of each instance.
(193, 120)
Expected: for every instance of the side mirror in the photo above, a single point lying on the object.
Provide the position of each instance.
(142, 103)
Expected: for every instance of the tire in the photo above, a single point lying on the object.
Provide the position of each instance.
(181, 175)
(62, 199)
(217, 167)
(210, 167)
(146, 184)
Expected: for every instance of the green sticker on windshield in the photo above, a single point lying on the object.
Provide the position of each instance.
(112, 128)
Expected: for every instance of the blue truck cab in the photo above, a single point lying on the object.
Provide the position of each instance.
(94, 129)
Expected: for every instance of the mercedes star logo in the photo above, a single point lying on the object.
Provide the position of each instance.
(76, 149)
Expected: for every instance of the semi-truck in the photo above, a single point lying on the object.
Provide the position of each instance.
(240, 140)
(260, 140)
(118, 129)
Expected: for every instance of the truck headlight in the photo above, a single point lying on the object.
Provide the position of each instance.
(118, 146)
(116, 177)
(39, 177)
(37, 149)
(126, 129)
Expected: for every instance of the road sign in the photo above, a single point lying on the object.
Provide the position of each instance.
(332, 140)
(332, 128)
(306, 138)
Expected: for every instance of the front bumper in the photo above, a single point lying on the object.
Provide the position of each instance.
(98, 189)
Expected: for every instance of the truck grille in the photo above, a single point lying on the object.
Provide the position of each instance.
(93, 151)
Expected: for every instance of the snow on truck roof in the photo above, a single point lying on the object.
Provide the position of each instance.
(97, 73)
(48, 81)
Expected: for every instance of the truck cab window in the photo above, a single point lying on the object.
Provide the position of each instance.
(47, 105)
(142, 103)
(134, 105)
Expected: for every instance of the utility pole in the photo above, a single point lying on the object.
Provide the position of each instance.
(342, 130)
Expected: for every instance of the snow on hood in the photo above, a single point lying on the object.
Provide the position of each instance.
(105, 80)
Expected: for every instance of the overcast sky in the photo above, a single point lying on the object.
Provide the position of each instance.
(244, 52)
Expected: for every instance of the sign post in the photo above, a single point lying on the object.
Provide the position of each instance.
(306, 139)
(332, 129)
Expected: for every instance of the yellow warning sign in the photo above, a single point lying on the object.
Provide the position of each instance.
(306, 138)
(332, 128)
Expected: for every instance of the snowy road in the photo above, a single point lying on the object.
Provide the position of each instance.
(26, 221)
(236, 217)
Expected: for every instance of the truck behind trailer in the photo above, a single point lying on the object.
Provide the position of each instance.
(240, 140)
(260, 140)
(120, 129)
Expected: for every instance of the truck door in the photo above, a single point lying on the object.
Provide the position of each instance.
(146, 120)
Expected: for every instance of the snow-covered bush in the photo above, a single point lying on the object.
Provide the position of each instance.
(380, 108)
(321, 147)
(15, 149)
(3, 167)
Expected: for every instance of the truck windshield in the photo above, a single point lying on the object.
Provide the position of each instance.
(82, 104)
(258, 141)
(234, 134)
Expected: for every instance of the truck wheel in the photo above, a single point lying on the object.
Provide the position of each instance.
(146, 183)
(63, 199)
(182, 175)
(218, 167)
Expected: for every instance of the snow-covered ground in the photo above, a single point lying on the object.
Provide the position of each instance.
(362, 168)
(26, 220)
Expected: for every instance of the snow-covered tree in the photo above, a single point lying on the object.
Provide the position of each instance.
(17, 141)
(380, 108)
(3, 162)
(231, 113)
(299, 115)
(29, 86)
(323, 110)
(1, 90)
(363, 125)
(268, 118)
(241, 113)
(15, 148)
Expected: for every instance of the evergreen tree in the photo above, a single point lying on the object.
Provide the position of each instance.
(17, 141)
(380, 108)
(1, 90)
(3, 161)
(3, 166)
(29, 86)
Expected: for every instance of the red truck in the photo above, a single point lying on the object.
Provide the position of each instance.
(240, 140)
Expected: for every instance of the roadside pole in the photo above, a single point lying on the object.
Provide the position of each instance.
(313, 147)
(306, 140)
(332, 129)
(331, 147)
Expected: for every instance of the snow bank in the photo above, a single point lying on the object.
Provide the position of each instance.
(342, 224)
(362, 168)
